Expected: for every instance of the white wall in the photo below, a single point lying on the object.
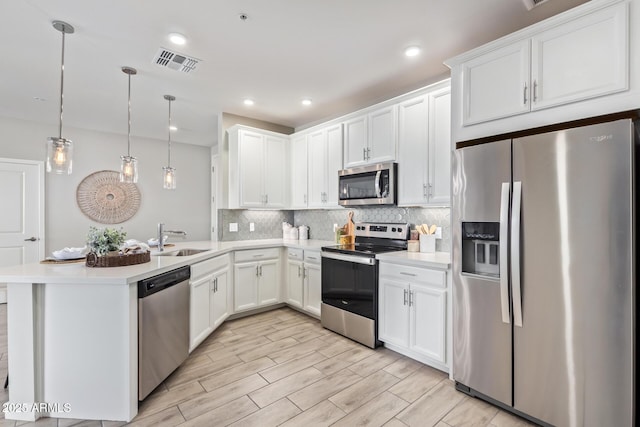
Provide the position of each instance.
(186, 208)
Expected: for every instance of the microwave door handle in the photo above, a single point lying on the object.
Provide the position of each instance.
(378, 191)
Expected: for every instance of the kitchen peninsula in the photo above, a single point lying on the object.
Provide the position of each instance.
(73, 332)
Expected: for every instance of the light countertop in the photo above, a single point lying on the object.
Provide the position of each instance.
(78, 273)
(441, 260)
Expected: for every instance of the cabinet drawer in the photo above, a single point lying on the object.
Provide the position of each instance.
(295, 254)
(312, 257)
(257, 254)
(414, 274)
(209, 266)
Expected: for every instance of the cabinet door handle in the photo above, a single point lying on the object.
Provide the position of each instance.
(299, 271)
(257, 271)
(410, 298)
(430, 190)
(368, 153)
(260, 270)
(408, 274)
(31, 239)
(266, 199)
(364, 153)
(535, 91)
(525, 94)
(304, 273)
(405, 298)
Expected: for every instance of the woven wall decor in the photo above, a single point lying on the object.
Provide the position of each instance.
(103, 198)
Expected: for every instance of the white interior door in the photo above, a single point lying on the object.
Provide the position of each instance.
(22, 213)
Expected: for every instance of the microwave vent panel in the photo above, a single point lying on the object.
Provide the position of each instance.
(176, 61)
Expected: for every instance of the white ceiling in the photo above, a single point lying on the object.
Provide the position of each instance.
(344, 54)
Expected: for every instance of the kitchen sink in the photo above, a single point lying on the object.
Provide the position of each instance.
(182, 252)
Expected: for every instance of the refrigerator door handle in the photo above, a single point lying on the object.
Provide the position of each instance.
(515, 253)
(504, 252)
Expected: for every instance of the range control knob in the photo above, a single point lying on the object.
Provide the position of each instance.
(399, 229)
(393, 229)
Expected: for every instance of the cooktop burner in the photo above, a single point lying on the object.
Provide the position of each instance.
(374, 238)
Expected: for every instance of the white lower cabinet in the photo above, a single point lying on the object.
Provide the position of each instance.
(304, 280)
(208, 306)
(295, 277)
(413, 312)
(257, 278)
(312, 282)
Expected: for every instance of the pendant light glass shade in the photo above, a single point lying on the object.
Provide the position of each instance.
(59, 149)
(129, 164)
(169, 178)
(169, 173)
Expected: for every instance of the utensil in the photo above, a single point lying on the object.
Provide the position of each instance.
(432, 230)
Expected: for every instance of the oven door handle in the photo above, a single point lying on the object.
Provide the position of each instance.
(349, 258)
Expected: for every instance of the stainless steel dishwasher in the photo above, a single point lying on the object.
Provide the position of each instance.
(163, 327)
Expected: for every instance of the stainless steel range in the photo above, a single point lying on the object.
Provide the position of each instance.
(350, 280)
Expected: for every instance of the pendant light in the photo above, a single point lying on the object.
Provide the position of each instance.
(59, 149)
(169, 173)
(129, 166)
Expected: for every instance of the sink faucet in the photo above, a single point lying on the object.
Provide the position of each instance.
(162, 231)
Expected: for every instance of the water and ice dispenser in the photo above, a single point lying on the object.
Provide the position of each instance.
(481, 248)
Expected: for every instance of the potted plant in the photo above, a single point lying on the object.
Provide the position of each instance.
(105, 241)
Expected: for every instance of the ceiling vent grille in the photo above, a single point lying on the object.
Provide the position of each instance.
(530, 4)
(175, 61)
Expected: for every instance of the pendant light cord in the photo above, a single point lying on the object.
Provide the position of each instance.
(129, 120)
(61, 86)
(169, 156)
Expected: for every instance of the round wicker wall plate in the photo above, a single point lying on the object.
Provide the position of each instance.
(103, 198)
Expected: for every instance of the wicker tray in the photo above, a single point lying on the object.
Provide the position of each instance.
(94, 260)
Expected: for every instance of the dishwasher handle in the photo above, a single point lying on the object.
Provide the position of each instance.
(157, 283)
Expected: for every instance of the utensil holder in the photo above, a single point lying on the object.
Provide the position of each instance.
(427, 243)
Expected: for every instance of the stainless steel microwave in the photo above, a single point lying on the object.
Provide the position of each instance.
(368, 185)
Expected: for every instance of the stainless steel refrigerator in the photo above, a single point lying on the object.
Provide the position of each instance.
(544, 274)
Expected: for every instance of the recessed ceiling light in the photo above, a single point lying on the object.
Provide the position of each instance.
(173, 128)
(412, 51)
(177, 38)
(248, 101)
(306, 102)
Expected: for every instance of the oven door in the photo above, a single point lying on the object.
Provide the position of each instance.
(350, 282)
(368, 185)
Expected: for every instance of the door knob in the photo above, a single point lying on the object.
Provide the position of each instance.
(31, 239)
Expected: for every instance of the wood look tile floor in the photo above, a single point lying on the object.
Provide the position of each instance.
(281, 368)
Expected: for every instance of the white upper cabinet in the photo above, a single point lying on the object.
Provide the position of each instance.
(496, 85)
(571, 66)
(371, 138)
(424, 149)
(439, 185)
(258, 170)
(299, 171)
(584, 58)
(355, 142)
(325, 160)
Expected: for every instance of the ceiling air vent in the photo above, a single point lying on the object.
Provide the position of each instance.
(175, 61)
(530, 4)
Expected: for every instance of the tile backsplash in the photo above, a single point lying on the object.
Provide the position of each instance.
(268, 224)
